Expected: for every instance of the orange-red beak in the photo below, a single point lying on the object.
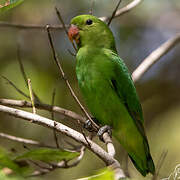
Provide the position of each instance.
(73, 33)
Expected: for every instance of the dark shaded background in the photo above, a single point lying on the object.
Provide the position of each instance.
(137, 34)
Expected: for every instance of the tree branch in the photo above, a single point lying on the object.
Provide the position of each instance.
(64, 26)
(123, 10)
(36, 119)
(114, 13)
(29, 27)
(24, 141)
(154, 57)
(56, 109)
(36, 98)
(15, 87)
(59, 110)
(61, 164)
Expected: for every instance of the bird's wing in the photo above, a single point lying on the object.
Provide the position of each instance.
(124, 87)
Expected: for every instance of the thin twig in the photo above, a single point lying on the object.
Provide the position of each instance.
(52, 117)
(114, 13)
(56, 109)
(64, 26)
(24, 73)
(66, 80)
(91, 8)
(21, 66)
(31, 96)
(61, 20)
(123, 10)
(28, 26)
(159, 164)
(83, 133)
(61, 164)
(24, 141)
(79, 158)
(154, 57)
(40, 166)
(15, 87)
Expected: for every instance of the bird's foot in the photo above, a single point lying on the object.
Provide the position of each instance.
(104, 129)
(88, 125)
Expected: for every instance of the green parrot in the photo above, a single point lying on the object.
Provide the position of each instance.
(108, 89)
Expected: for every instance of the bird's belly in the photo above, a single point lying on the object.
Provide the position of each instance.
(102, 101)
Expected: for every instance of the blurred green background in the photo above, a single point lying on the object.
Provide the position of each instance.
(137, 34)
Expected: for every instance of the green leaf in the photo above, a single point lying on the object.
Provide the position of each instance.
(104, 174)
(48, 155)
(5, 161)
(10, 4)
(3, 176)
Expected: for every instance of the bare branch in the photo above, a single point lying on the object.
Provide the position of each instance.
(154, 57)
(79, 158)
(56, 109)
(123, 10)
(114, 13)
(61, 164)
(36, 119)
(159, 164)
(21, 66)
(15, 87)
(110, 147)
(24, 73)
(29, 27)
(24, 141)
(61, 20)
(64, 26)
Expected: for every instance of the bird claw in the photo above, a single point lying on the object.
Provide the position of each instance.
(104, 129)
(88, 124)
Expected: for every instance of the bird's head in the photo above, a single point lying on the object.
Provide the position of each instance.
(89, 30)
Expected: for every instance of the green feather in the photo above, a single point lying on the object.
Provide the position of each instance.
(109, 91)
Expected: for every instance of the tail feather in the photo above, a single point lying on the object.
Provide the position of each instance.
(149, 168)
(142, 171)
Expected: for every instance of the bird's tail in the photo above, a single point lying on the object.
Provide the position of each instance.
(146, 165)
(139, 154)
(150, 168)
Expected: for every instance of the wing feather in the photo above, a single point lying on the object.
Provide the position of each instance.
(124, 87)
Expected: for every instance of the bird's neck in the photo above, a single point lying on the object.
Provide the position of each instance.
(94, 47)
(102, 39)
(90, 54)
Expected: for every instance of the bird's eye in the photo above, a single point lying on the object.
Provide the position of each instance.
(89, 22)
